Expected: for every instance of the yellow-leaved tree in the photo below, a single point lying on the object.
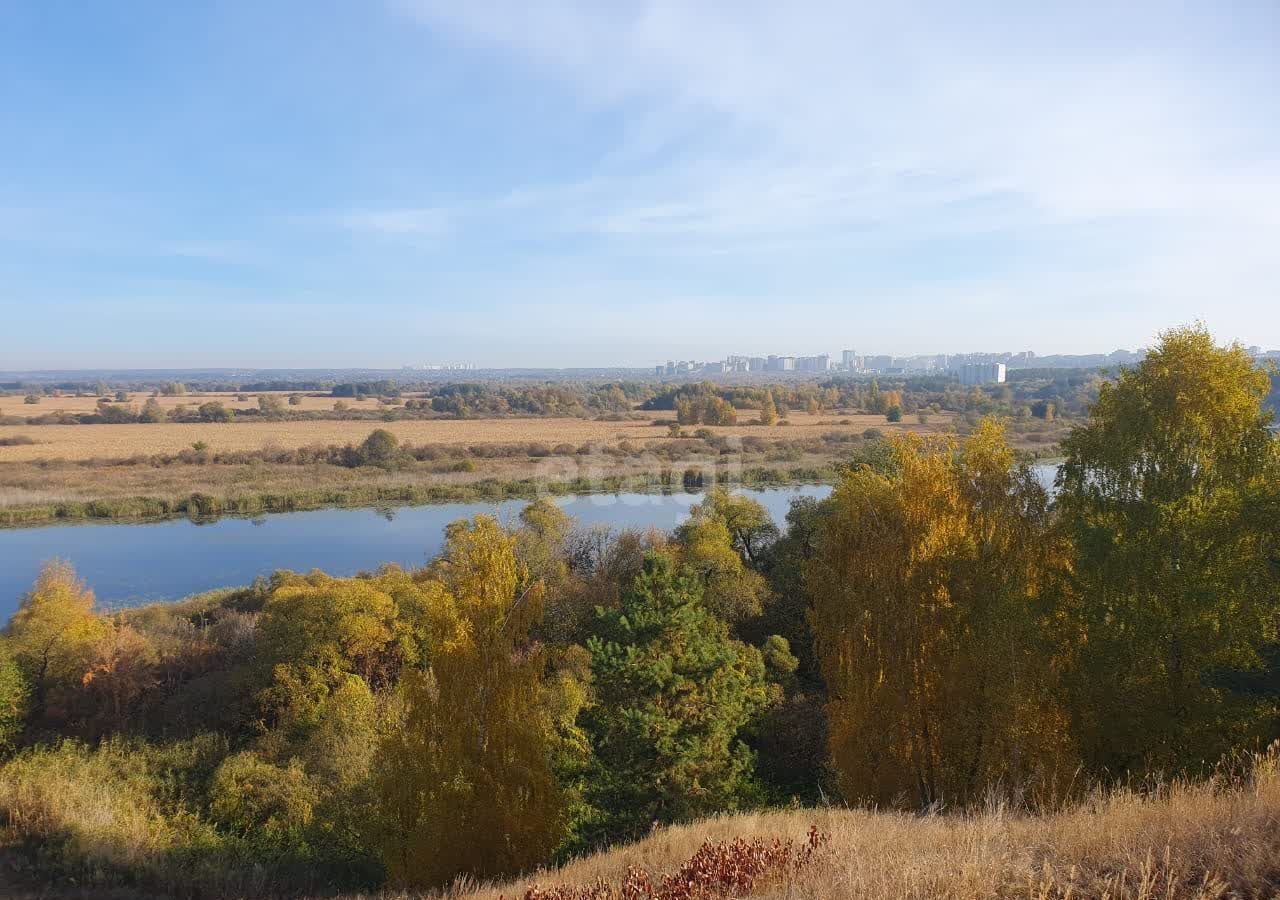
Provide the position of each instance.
(928, 626)
(465, 783)
(52, 636)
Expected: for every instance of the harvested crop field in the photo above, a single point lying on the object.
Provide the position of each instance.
(80, 442)
(16, 405)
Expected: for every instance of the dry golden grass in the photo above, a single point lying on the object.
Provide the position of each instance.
(75, 442)
(14, 405)
(1187, 841)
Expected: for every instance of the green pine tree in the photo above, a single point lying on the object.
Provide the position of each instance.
(673, 691)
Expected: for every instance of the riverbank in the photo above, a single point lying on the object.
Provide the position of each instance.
(202, 481)
(130, 563)
(377, 493)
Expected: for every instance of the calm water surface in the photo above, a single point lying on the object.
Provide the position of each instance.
(128, 564)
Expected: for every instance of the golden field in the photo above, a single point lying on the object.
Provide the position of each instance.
(15, 405)
(81, 442)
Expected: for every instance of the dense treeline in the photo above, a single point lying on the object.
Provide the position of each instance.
(1029, 394)
(939, 628)
(1033, 393)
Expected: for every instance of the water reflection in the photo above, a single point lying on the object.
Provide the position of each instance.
(127, 564)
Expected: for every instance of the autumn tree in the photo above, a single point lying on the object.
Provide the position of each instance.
(780, 404)
(925, 583)
(672, 693)
(53, 632)
(729, 588)
(118, 672)
(270, 405)
(214, 411)
(465, 781)
(750, 528)
(152, 412)
(542, 549)
(1169, 493)
(315, 630)
(768, 409)
(705, 408)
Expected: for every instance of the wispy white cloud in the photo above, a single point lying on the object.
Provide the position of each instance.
(766, 118)
(1131, 146)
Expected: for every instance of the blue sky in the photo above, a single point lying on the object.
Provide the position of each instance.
(589, 183)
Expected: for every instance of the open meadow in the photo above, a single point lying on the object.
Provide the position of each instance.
(83, 442)
(153, 470)
(16, 404)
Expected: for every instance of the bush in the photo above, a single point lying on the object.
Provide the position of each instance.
(270, 405)
(152, 411)
(213, 411)
(268, 805)
(380, 448)
(98, 815)
(115, 414)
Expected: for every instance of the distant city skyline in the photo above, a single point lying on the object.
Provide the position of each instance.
(289, 184)
(843, 361)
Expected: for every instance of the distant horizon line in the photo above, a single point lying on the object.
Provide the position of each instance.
(468, 368)
(648, 370)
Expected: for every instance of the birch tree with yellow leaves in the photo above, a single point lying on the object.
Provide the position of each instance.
(929, 625)
(465, 781)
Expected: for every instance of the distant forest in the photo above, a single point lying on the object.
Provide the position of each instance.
(1028, 393)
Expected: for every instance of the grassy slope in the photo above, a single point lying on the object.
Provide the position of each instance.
(1198, 841)
(102, 833)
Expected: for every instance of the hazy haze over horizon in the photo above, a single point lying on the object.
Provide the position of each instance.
(582, 184)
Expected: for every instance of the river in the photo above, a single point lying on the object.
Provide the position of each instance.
(127, 564)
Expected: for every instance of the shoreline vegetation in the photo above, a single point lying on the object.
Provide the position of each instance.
(145, 452)
(379, 467)
(205, 507)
